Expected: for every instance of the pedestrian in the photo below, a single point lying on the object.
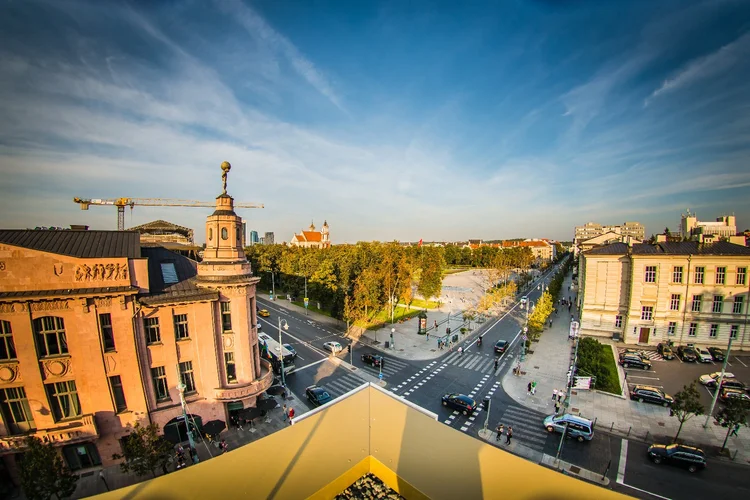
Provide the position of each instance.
(435, 325)
(557, 407)
(223, 446)
(533, 387)
(283, 394)
(285, 410)
(554, 395)
(560, 395)
(499, 431)
(550, 323)
(735, 430)
(509, 435)
(496, 363)
(569, 307)
(460, 350)
(291, 415)
(447, 330)
(528, 391)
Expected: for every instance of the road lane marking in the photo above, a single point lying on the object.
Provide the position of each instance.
(623, 461)
(645, 491)
(740, 361)
(311, 364)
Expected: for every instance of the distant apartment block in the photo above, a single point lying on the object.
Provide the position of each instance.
(268, 238)
(691, 228)
(254, 240)
(628, 231)
(542, 249)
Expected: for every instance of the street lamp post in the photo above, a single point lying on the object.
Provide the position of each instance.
(718, 382)
(306, 302)
(273, 286)
(281, 350)
(393, 346)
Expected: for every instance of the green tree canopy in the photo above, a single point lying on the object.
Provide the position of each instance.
(687, 404)
(144, 450)
(43, 472)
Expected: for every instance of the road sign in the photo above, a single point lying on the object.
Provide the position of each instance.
(380, 376)
(307, 301)
(524, 337)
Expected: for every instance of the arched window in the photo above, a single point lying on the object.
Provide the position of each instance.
(50, 336)
(224, 233)
(210, 234)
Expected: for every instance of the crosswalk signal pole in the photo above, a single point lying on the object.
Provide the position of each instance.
(487, 419)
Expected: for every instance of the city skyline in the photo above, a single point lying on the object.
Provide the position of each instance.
(439, 121)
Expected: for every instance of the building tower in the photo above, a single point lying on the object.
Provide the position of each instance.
(324, 234)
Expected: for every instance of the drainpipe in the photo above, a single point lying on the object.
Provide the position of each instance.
(136, 316)
(687, 289)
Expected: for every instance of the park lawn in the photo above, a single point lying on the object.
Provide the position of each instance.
(614, 381)
(381, 318)
(427, 304)
(455, 270)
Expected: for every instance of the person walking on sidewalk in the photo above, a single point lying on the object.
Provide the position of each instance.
(554, 395)
(509, 435)
(557, 407)
(286, 412)
(460, 350)
(291, 415)
(496, 362)
(499, 431)
(533, 387)
(528, 389)
(435, 325)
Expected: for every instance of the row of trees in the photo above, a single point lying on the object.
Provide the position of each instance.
(484, 256)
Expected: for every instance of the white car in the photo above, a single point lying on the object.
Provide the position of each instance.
(711, 378)
(703, 355)
(334, 347)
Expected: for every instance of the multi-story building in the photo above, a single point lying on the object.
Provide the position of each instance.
(685, 292)
(628, 231)
(542, 250)
(97, 333)
(724, 226)
(268, 239)
(161, 231)
(312, 238)
(254, 238)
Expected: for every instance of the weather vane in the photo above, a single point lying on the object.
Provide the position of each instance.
(225, 168)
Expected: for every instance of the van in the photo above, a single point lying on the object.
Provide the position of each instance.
(579, 428)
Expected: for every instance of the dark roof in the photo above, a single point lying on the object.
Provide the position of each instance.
(33, 294)
(673, 248)
(161, 226)
(182, 291)
(81, 244)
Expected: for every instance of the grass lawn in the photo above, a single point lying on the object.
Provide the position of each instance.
(614, 381)
(596, 359)
(427, 304)
(455, 270)
(384, 317)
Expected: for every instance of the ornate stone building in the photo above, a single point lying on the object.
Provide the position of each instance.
(312, 238)
(96, 333)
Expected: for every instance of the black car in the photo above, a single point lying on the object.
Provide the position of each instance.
(687, 353)
(689, 457)
(317, 395)
(648, 394)
(665, 350)
(501, 346)
(716, 353)
(460, 402)
(633, 352)
(730, 383)
(632, 360)
(372, 359)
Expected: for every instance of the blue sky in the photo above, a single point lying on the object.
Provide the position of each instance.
(391, 120)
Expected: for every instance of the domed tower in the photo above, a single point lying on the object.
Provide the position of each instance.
(324, 234)
(312, 226)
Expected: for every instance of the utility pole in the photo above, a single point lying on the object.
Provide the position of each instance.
(273, 286)
(718, 382)
(566, 403)
(306, 299)
(281, 350)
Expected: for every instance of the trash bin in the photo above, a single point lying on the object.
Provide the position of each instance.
(387, 344)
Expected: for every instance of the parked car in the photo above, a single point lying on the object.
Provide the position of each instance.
(372, 359)
(460, 402)
(704, 356)
(716, 353)
(579, 428)
(264, 313)
(317, 395)
(501, 346)
(648, 394)
(732, 384)
(687, 353)
(632, 360)
(689, 457)
(291, 349)
(665, 350)
(334, 347)
(731, 393)
(633, 352)
(709, 379)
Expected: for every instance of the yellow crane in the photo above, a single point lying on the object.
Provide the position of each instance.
(121, 203)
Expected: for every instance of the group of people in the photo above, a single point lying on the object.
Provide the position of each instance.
(531, 388)
(557, 397)
(288, 414)
(500, 430)
(181, 459)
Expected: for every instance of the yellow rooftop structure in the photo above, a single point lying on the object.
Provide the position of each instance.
(366, 430)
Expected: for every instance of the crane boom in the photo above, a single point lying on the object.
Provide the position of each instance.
(121, 203)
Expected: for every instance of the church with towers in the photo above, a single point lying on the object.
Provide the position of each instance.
(312, 238)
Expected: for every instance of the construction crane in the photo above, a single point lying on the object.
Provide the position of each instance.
(121, 203)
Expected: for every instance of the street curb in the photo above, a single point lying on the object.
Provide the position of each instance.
(360, 373)
(573, 470)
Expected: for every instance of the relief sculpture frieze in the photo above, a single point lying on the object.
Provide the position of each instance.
(57, 368)
(101, 272)
(52, 305)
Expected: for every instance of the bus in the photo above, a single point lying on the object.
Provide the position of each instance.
(271, 350)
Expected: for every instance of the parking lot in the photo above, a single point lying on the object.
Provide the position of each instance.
(672, 375)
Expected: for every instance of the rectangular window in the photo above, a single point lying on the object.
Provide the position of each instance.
(7, 347)
(647, 312)
(50, 336)
(118, 393)
(231, 369)
(699, 271)
(696, 306)
(15, 410)
(733, 331)
(721, 273)
(108, 336)
(674, 304)
(672, 328)
(677, 274)
(186, 374)
(718, 303)
(693, 329)
(181, 327)
(618, 321)
(151, 326)
(63, 399)
(161, 389)
(739, 301)
(741, 273)
(226, 317)
(650, 276)
(714, 331)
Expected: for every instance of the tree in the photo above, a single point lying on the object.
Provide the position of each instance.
(43, 472)
(686, 405)
(144, 450)
(735, 413)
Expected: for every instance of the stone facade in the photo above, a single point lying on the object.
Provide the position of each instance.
(682, 292)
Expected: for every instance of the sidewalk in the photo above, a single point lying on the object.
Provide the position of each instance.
(548, 366)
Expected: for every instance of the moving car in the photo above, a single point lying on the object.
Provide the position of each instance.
(579, 428)
(460, 402)
(501, 346)
(334, 347)
(665, 350)
(317, 395)
(291, 349)
(689, 457)
(632, 360)
(710, 379)
(731, 393)
(648, 394)
(264, 313)
(704, 356)
(372, 359)
(687, 353)
(716, 353)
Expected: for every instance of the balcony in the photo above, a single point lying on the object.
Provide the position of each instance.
(75, 431)
(241, 391)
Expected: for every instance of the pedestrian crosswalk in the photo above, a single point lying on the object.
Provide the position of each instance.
(482, 363)
(390, 367)
(527, 425)
(652, 355)
(341, 385)
(418, 379)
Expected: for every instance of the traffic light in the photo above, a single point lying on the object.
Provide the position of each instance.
(349, 348)
(486, 404)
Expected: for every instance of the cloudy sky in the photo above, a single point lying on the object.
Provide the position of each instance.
(391, 119)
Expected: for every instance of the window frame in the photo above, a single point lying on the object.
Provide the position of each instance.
(42, 332)
(734, 331)
(115, 384)
(693, 330)
(60, 391)
(181, 329)
(700, 275)
(186, 369)
(721, 275)
(7, 345)
(151, 325)
(741, 276)
(647, 313)
(697, 303)
(230, 361)
(677, 274)
(618, 321)
(713, 331)
(159, 379)
(13, 401)
(649, 275)
(719, 302)
(737, 305)
(672, 329)
(674, 302)
(225, 310)
(108, 339)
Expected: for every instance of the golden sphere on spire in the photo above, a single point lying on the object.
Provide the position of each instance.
(225, 167)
